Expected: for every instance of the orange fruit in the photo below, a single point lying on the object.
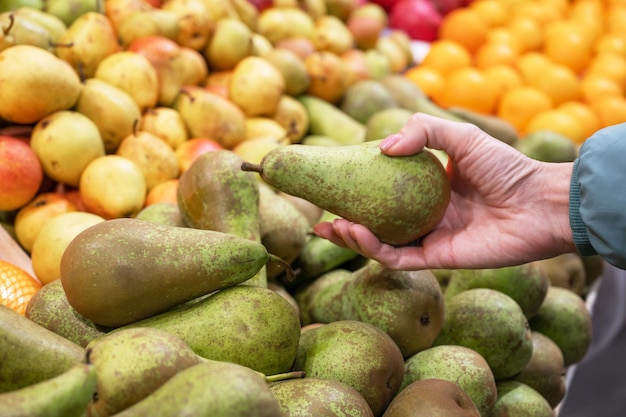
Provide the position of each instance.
(559, 121)
(559, 82)
(616, 20)
(610, 43)
(163, 192)
(495, 53)
(469, 88)
(611, 110)
(527, 31)
(520, 104)
(506, 76)
(504, 35)
(594, 86)
(611, 65)
(465, 26)
(584, 114)
(445, 55)
(542, 13)
(565, 44)
(531, 65)
(428, 79)
(493, 12)
(16, 286)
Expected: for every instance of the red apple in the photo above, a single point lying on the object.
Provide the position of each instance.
(446, 6)
(188, 151)
(261, 4)
(385, 4)
(420, 19)
(21, 173)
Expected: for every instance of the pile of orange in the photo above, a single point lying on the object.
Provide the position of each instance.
(538, 64)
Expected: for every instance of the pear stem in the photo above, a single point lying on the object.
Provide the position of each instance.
(249, 166)
(285, 376)
(291, 276)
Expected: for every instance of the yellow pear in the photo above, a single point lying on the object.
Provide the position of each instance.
(332, 34)
(112, 109)
(293, 116)
(230, 43)
(53, 238)
(280, 23)
(194, 21)
(133, 73)
(34, 84)
(256, 86)
(66, 142)
(153, 156)
(86, 42)
(292, 67)
(258, 126)
(166, 123)
(152, 22)
(112, 187)
(191, 66)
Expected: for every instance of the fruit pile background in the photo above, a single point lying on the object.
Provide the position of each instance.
(109, 108)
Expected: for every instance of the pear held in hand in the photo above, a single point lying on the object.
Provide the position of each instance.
(399, 198)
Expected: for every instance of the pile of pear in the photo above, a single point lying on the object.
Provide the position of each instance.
(224, 303)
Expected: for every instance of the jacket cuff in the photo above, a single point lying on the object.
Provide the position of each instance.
(579, 231)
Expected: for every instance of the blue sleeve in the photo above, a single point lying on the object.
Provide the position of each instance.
(597, 207)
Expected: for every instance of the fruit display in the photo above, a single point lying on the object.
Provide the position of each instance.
(163, 162)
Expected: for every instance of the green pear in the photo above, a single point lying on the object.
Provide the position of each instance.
(31, 353)
(565, 318)
(407, 305)
(284, 229)
(545, 372)
(386, 122)
(527, 284)
(321, 300)
(86, 42)
(520, 400)
(319, 397)
(214, 194)
(310, 210)
(297, 78)
(54, 26)
(112, 109)
(40, 84)
(363, 98)
(491, 323)
(70, 10)
(210, 389)
(49, 308)
(249, 325)
(398, 198)
(548, 146)
(133, 73)
(458, 364)
(328, 120)
(20, 30)
(162, 213)
(230, 43)
(355, 353)
(145, 260)
(8, 5)
(409, 96)
(566, 270)
(319, 256)
(432, 398)
(66, 141)
(132, 363)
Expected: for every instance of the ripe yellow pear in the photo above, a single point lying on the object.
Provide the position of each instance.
(53, 238)
(34, 84)
(256, 86)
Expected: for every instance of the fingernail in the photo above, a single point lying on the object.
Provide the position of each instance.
(388, 142)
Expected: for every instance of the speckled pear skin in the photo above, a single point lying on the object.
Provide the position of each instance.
(131, 363)
(125, 270)
(319, 397)
(210, 389)
(399, 198)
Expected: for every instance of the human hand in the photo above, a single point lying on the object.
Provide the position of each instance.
(505, 208)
